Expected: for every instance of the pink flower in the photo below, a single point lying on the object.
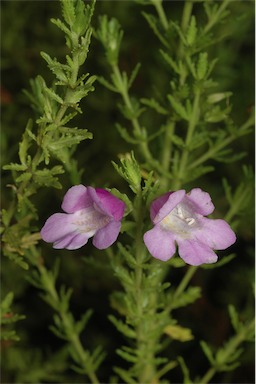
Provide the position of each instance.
(179, 218)
(89, 212)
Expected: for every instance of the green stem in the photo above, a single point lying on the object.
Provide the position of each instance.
(184, 282)
(216, 16)
(232, 347)
(162, 17)
(183, 285)
(188, 7)
(135, 123)
(186, 15)
(191, 128)
(166, 154)
(235, 207)
(68, 325)
(207, 377)
(144, 345)
(224, 143)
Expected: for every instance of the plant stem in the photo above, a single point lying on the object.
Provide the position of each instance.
(49, 287)
(232, 346)
(191, 127)
(184, 282)
(188, 7)
(144, 344)
(216, 16)
(162, 17)
(167, 151)
(222, 144)
(122, 87)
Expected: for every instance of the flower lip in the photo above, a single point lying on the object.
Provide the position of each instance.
(165, 205)
(89, 212)
(178, 218)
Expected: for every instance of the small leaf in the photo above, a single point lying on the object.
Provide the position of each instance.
(123, 328)
(152, 103)
(178, 107)
(191, 32)
(178, 333)
(133, 75)
(170, 61)
(207, 352)
(202, 65)
(15, 167)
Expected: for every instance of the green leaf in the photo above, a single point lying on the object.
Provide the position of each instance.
(152, 103)
(127, 356)
(57, 68)
(170, 61)
(234, 318)
(125, 135)
(187, 297)
(154, 25)
(24, 177)
(198, 172)
(208, 353)
(191, 32)
(68, 11)
(107, 84)
(53, 95)
(125, 376)
(133, 75)
(130, 171)
(185, 371)
(122, 327)
(45, 177)
(26, 142)
(177, 332)
(178, 107)
(217, 97)
(202, 65)
(15, 167)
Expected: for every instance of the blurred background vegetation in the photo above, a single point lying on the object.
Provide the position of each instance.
(26, 30)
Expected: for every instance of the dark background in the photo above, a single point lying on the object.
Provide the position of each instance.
(25, 31)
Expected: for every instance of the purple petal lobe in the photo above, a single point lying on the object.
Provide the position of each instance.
(71, 241)
(195, 253)
(57, 227)
(217, 234)
(76, 198)
(106, 236)
(107, 203)
(160, 243)
(201, 200)
(157, 205)
(173, 200)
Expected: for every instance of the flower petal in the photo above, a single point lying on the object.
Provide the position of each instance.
(76, 198)
(157, 205)
(60, 229)
(217, 234)
(57, 227)
(174, 199)
(195, 253)
(160, 243)
(72, 241)
(201, 200)
(106, 236)
(108, 203)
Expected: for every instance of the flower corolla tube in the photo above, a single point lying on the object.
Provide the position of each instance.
(89, 213)
(178, 218)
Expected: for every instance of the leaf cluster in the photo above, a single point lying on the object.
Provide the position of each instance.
(227, 357)
(9, 318)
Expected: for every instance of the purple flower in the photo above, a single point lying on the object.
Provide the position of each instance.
(179, 218)
(89, 212)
